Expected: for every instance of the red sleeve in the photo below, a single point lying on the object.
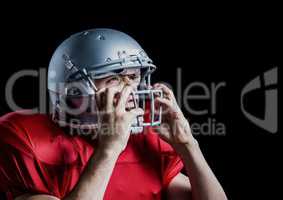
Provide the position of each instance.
(11, 175)
(18, 169)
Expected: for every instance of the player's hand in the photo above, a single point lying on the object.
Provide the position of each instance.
(116, 120)
(175, 128)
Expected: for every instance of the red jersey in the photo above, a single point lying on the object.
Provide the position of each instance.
(38, 157)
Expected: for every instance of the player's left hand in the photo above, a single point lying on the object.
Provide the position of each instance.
(175, 128)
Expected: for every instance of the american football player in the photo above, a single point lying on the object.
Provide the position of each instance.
(110, 135)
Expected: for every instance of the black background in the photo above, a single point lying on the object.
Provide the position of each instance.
(233, 45)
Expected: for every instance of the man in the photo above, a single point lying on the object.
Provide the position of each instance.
(103, 140)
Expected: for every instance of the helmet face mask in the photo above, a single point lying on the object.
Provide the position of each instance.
(92, 55)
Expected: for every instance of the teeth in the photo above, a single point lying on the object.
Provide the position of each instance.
(136, 127)
(136, 130)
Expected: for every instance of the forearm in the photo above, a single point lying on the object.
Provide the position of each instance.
(94, 180)
(204, 184)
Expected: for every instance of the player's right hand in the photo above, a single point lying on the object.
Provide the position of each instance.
(116, 121)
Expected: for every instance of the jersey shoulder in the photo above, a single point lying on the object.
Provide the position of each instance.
(38, 136)
(36, 156)
(22, 118)
(25, 126)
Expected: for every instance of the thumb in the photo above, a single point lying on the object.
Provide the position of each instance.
(136, 112)
(132, 114)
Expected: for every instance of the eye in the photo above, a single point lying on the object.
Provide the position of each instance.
(134, 77)
(113, 79)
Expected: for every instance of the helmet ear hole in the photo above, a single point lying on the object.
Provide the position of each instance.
(74, 102)
(74, 91)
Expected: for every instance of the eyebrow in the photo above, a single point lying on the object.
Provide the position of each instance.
(137, 71)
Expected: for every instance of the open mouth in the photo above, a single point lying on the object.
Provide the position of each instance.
(131, 103)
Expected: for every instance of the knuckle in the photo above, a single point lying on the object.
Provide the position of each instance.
(109, 112)
(119, 114)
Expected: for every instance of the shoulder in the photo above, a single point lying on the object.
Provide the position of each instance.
(22, 119)
(15, 128)
(24, 125)
(32, 134)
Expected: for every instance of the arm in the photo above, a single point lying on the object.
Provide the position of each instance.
(96, 175)
(179, 188)
(36, 197)
(112, 140)
(202, 183)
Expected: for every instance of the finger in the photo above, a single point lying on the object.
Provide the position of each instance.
(133, 114)
(165, 89)
(163, 102)
(137, 112)
(127, 90)
(163, 131)
(110, 93)
(102, 90)
(130, 116)
(100, 98)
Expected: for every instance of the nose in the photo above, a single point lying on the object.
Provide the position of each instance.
(127, 80)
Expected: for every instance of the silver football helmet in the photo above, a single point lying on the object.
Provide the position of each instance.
(95, 54)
